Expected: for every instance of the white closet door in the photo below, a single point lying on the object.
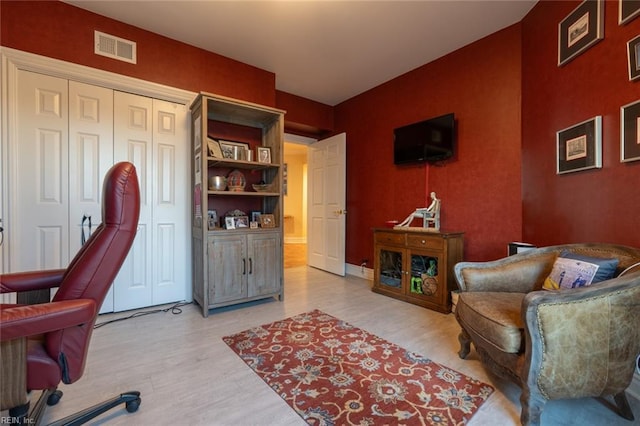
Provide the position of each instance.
(170, 201)
(39, 207)
(90, 157)
(133, 141)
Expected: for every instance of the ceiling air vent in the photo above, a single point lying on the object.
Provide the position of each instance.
(115, 47)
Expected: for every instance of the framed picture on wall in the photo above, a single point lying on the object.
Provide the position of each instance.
(627, 10)
(630, 132)
(579, 147)
(580, 30)
(633, 54)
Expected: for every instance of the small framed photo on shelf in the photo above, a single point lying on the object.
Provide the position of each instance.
(579, 147)
(253, 224)
(241, 221)
(264, 154)
(633, 54)
(212, 217)
(229, 222)
(580, 30)
(267, 221)
(214, 148)
(630, 132)
(628, 10)
(234, 150)
(255, 216)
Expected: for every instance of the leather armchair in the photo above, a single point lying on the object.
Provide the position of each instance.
(559, 344)
(46, 344)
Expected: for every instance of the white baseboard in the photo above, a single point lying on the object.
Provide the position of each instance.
(295, 240)
(356, 270)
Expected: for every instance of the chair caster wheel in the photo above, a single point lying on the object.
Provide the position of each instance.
(132, 406)
(54, 398)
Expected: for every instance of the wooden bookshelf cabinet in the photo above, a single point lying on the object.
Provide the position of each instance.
(233, 266)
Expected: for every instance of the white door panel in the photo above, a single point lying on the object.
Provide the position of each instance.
(133, 141)
(327, 204)
(90, 157)
(39, 208)
(170, 202)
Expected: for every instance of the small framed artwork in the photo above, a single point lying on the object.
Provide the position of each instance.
(214, 148)
(253, 224)
(633, 53)
(630, 132)
(255, 216)
(229, 222)
(264, 154)
(627, 10)
(234, 150)
(267, 221)
(580, 30)
(579, 147)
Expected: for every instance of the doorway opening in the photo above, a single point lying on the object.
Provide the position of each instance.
(295, 200)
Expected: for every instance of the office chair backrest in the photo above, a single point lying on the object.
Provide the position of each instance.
(95, 266)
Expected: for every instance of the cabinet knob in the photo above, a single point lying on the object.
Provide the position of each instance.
(424, 242)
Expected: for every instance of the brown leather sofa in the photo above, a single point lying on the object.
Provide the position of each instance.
(568, 343)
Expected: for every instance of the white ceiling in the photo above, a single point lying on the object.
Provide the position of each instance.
(328, 51)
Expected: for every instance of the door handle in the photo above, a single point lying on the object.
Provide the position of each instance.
(339, 212)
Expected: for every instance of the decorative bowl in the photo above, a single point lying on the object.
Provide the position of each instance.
(260, 187)
(217, 183)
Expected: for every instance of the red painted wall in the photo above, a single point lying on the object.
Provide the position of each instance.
(58, 30)
(304, 116)
(600, 205)
(481, 188)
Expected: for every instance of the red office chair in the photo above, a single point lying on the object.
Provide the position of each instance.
(45, 344)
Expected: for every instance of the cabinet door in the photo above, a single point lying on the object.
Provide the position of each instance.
(265, 263)
(426, 278)
(389, 271)
(227, 268)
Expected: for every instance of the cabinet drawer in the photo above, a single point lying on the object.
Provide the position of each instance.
(424, 241)
(389, 238)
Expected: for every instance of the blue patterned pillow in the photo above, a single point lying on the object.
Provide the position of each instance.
(606, 267)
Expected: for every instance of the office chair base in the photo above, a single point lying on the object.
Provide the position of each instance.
(131, 400)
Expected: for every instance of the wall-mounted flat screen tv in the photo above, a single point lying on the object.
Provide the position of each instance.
(428, 141)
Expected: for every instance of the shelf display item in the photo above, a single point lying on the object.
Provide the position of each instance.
(236, 181)
(217, 183)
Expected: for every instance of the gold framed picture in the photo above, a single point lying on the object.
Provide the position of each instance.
(267, 221)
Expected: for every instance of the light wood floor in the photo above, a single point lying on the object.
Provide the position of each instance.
(295, 255)
(187, 375)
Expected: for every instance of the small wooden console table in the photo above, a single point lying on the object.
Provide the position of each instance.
(417, 266)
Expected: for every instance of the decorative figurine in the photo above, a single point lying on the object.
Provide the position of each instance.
(430, 215)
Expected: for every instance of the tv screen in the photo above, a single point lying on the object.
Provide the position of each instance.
(428, 141)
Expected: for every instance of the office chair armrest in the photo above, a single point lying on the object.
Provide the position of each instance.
(28, 320)
(27, 281)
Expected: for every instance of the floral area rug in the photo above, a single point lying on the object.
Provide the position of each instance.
(333, 373)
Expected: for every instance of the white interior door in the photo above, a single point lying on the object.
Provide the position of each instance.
(170, 201)
(38, 225)
(133, 141)
(90, 157)
(327, 204)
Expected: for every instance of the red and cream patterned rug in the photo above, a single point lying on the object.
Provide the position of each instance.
(333, 373)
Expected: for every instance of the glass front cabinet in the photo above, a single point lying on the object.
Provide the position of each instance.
(417, 266)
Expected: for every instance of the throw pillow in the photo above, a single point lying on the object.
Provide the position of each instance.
(570, 273)
(572, 270)
(606, 267)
